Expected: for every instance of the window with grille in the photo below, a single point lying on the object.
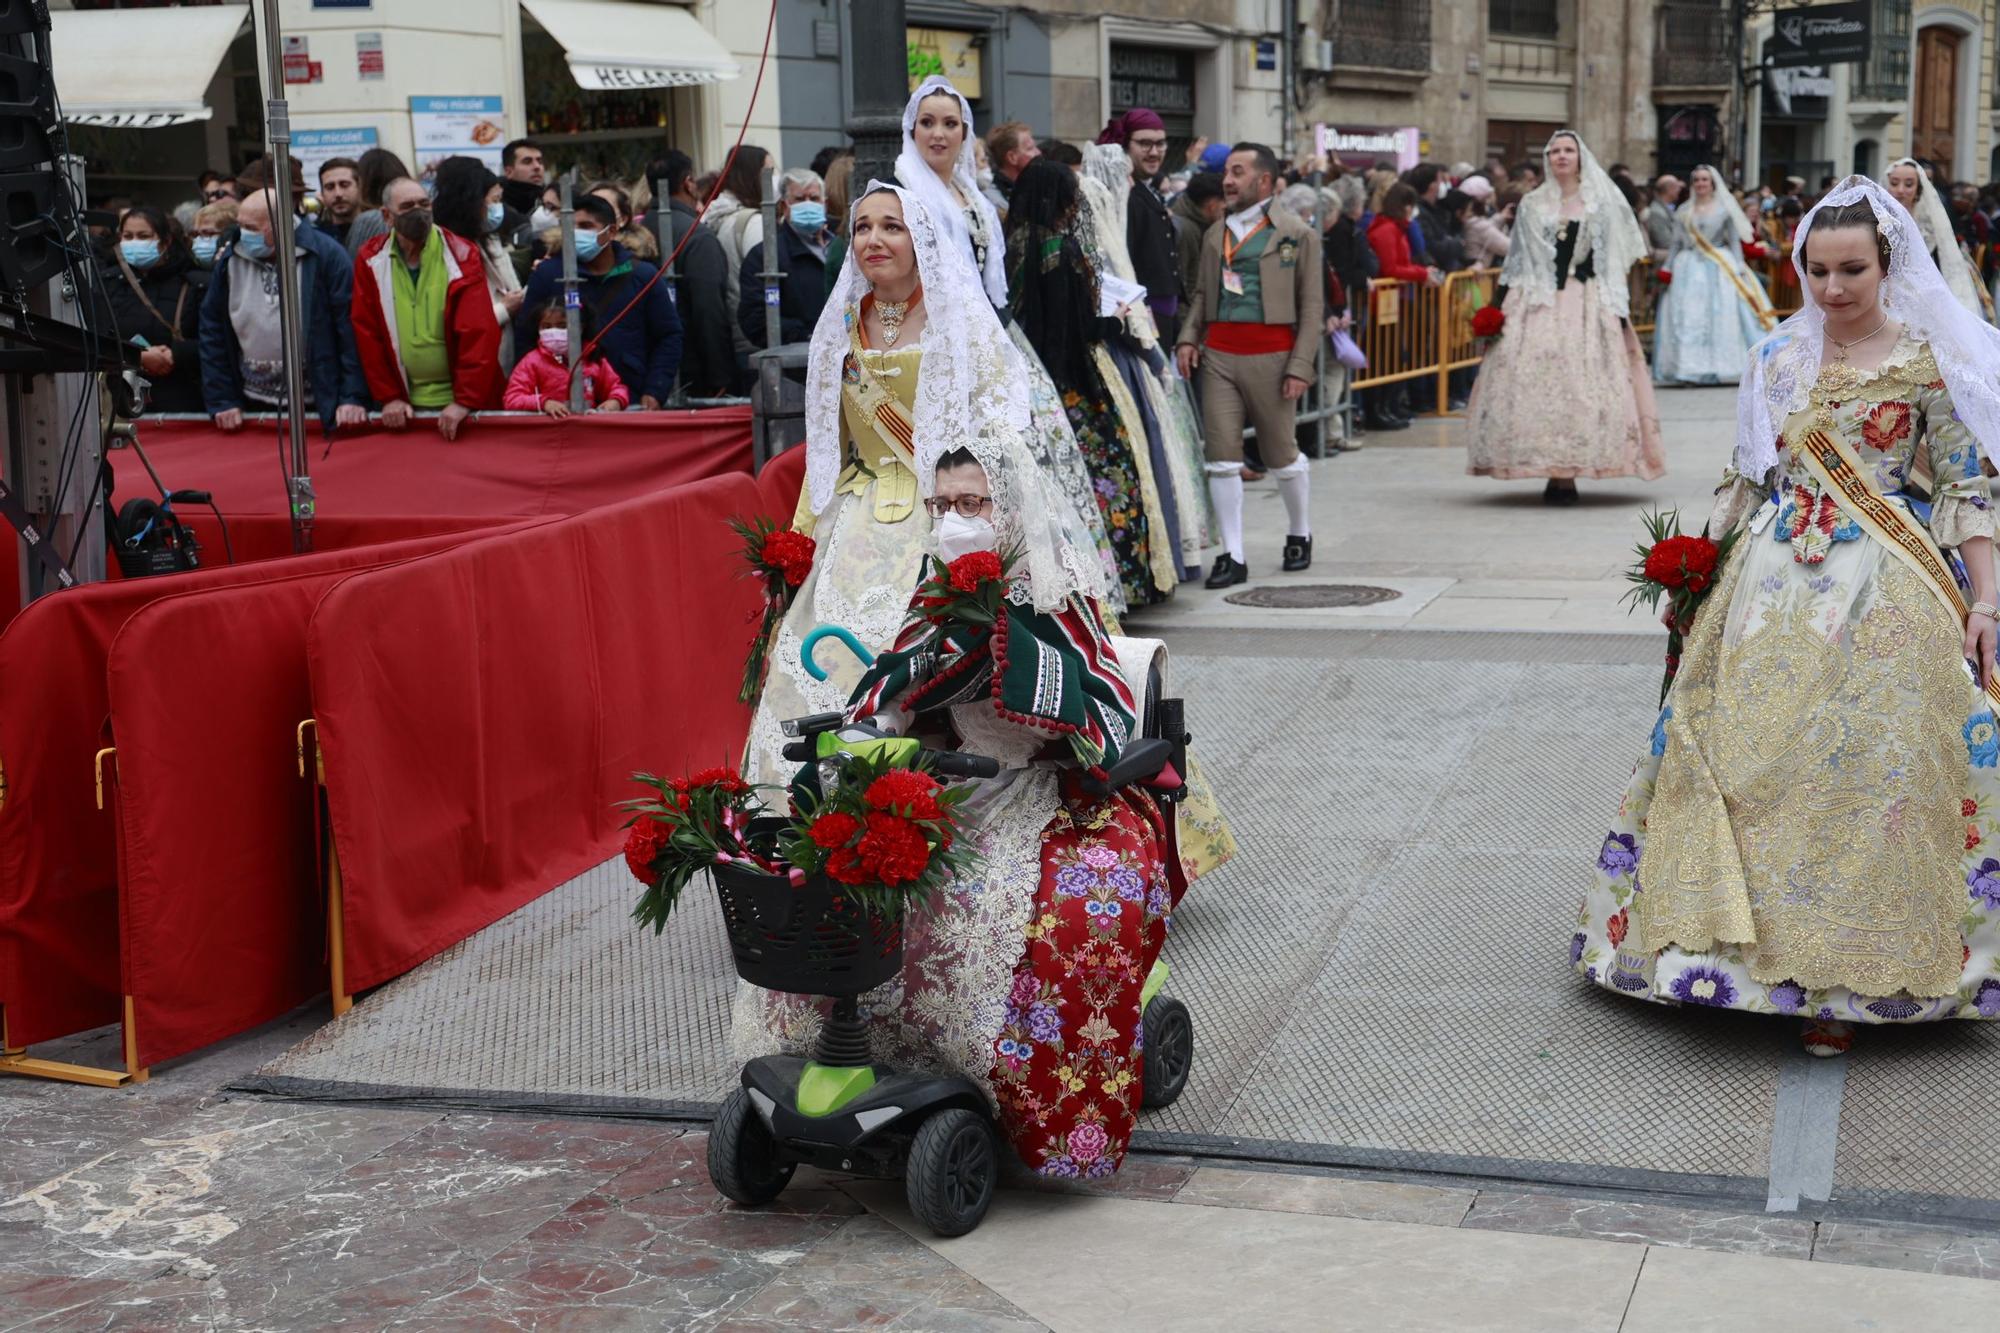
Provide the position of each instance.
(1522, 18)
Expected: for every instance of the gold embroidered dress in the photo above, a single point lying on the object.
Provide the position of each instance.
(871, 550)
(1816, 828)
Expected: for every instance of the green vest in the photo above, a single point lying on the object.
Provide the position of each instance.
(1247, 308)
(420, 322)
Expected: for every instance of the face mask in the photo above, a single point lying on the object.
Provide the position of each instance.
(808, 218)
(588, 245)
(140, 254)
(958, 535)
(985, 175)
(254, 244)
(205, 248)
(414, 226)
(496, 213)
(555, 342)
(542, 219)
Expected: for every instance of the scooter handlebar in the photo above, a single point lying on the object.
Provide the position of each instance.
(949, 764)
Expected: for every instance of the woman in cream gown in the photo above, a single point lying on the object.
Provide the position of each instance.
(1814, 829)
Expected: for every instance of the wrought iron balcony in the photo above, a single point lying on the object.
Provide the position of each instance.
(1885, 75)
(1691, 45)
(1382, 34)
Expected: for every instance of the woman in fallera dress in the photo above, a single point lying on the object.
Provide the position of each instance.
(1814, 829)
(937, 165)
(1911, 187)
(1564, 391)
(1714, 309)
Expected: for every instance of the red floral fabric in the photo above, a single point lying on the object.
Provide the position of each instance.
(1069, 1062)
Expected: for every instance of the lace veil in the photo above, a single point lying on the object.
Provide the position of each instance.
(972, 393)
(918, 179)
(1785, 365)
(1934, 223)
(1615, 237)
(1739, 221)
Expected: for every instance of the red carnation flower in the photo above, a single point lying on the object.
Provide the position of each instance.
(643, 845)
(834, 830)
(906, 790)
(845, 867)
(970, 572)
(791, 553)
(894, 850)
(1487, 321)
(725, 778)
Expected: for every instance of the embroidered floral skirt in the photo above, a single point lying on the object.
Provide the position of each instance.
(1564, 392)
(1815, 827)
(1114, 475)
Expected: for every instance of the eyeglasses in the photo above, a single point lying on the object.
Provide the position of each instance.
(965, 506)
(1160, 142)
(210, 196)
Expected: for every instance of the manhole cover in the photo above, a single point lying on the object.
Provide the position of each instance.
(1313, 596)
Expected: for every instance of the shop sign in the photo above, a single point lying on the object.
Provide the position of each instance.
(135, 120)
(450, 126)
(947, 52)
(313, 149)
(368, 63)
(1820, 35)
(1366, 145)
(1162, 79)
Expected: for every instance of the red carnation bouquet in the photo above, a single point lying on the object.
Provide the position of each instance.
(685, 826)
(781, 559)
(889, 833)
(968, 589)
(886, 831)
(1487, 321)
(1680, 568)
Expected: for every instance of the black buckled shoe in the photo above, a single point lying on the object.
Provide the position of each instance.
(1298, 554)
(1228, 572)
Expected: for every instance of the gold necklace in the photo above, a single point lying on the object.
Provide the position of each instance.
(1844, 346)
(1838, 379)
(893, 313)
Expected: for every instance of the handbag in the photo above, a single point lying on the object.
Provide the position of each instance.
(1347, 351)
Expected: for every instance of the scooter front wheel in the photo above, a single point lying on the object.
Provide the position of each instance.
(743, 1156)
(951, 1172)
(1169, 1050)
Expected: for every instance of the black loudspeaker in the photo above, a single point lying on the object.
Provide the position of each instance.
(30, 140)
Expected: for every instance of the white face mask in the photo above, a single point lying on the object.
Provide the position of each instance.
(542, 219)
(958, 535)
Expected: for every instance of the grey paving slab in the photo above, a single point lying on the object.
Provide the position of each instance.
(1690, 1291)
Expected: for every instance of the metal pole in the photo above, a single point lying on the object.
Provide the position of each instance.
(664, 223)
(572, 290)
(774, 328)
(880, 44)
(278, 127)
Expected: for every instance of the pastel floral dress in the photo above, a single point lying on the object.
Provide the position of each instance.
(1815, 827)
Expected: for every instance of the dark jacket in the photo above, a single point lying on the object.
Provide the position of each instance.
(176, 288)
(644, 347)
(1442, 246)
(701, 281)
(1149, 235)
(1351, 259)
(326, 291)
(801, 292)
(1189, 228)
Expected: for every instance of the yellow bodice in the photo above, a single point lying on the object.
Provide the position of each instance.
(871, 457)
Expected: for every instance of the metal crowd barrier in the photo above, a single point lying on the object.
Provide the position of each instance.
(1414, 329)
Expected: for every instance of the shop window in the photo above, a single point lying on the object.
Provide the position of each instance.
(609, 134)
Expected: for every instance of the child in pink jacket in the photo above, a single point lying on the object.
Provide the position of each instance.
(540, 382)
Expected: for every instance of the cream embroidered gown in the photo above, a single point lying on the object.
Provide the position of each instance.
(1816, 828)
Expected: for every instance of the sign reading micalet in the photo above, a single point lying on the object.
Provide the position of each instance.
(1820, 35)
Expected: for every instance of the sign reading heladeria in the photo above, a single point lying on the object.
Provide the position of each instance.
(1820, 35)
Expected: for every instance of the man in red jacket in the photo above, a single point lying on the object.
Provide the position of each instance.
(423, 320)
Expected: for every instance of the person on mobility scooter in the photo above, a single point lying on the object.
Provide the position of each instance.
(1026, 998)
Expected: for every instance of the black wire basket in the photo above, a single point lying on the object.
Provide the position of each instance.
(814, 939)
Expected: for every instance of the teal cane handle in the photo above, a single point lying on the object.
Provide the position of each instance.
(814, 669)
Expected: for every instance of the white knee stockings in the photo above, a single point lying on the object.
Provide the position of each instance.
(1295, 488)
(1225, 491)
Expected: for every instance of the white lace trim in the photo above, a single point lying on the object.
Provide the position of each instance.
(1608, 222)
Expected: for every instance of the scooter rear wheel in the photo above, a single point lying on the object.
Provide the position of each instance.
(743, 1157)
(951, 1171)
(1169, 1050)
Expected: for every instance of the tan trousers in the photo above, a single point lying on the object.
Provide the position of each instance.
(1236, 388)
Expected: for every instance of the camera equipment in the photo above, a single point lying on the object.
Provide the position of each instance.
(149, 538)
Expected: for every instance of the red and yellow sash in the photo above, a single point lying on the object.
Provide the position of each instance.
(1746, 287)
(1835, 467)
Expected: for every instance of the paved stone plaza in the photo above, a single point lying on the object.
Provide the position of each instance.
(1405, 1112)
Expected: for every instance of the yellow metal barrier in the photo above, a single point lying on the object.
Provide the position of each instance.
(1415, 329)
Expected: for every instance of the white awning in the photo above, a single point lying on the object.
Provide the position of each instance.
(140, 68)
(616, 44)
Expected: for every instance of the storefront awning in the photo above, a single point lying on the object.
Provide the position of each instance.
(615, 44)
(140, 68)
